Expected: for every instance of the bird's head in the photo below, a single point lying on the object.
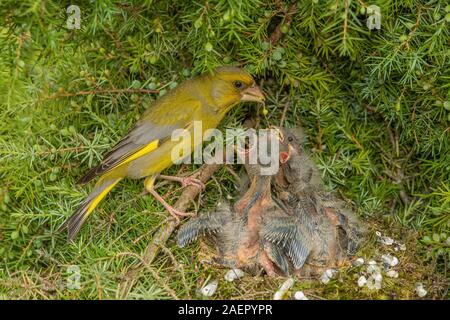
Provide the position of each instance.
(230, 85)
(289, 143)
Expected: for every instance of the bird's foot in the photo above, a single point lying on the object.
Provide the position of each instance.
(173, 212)
(189, 181)
(177, 213)
(185, 181)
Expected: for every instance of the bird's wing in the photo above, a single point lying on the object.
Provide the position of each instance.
(279, 230)
(298, 250)
(276, 255)
(150, 132)
(203, 225)
(286, 232)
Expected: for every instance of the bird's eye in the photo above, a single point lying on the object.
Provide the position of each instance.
(290, 139)
(238, 84)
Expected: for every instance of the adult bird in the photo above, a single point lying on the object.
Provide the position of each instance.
(147, 148)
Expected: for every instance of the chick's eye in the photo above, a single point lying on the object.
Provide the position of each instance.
(290, 139)
(238, 84)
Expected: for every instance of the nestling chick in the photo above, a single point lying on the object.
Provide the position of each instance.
(236, 230)
(237, 243)
(320, 231)
(300, 229)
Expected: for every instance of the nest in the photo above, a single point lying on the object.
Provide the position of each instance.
(283, 224)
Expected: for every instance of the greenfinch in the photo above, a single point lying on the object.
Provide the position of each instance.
(147, 148)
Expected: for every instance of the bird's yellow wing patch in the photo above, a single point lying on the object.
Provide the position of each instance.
(134, 145)
(147, 149)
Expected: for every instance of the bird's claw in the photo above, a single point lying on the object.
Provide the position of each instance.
(189, 181)
(176, 214)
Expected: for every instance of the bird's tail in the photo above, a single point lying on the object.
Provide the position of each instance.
(76, 220)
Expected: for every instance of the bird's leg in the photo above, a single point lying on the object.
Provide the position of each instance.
(149, 183)
(185, 181)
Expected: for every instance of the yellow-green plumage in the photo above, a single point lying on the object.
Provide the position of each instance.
(146, 150)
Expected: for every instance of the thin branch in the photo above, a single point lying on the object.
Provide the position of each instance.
(97, 91)
(276, 35)
(285, 109)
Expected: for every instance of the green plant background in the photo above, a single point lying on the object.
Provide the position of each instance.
(374, 103)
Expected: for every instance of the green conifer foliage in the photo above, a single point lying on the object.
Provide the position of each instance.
(374, 103)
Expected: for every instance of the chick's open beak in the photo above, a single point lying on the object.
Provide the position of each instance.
(285, 156)
(252, 93)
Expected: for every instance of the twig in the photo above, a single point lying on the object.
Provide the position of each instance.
(345, 21)
(276, 35)
(62, 150)
(283, 115)
(363, 4)
(97, 91)
(163, 234)
(233, 173)
(413, 30)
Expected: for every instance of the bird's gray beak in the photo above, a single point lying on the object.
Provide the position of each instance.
(253, 93)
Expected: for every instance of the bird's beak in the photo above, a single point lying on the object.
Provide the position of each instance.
(285, 156)
(253, 93)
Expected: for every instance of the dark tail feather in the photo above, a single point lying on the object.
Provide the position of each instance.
(77, 219)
